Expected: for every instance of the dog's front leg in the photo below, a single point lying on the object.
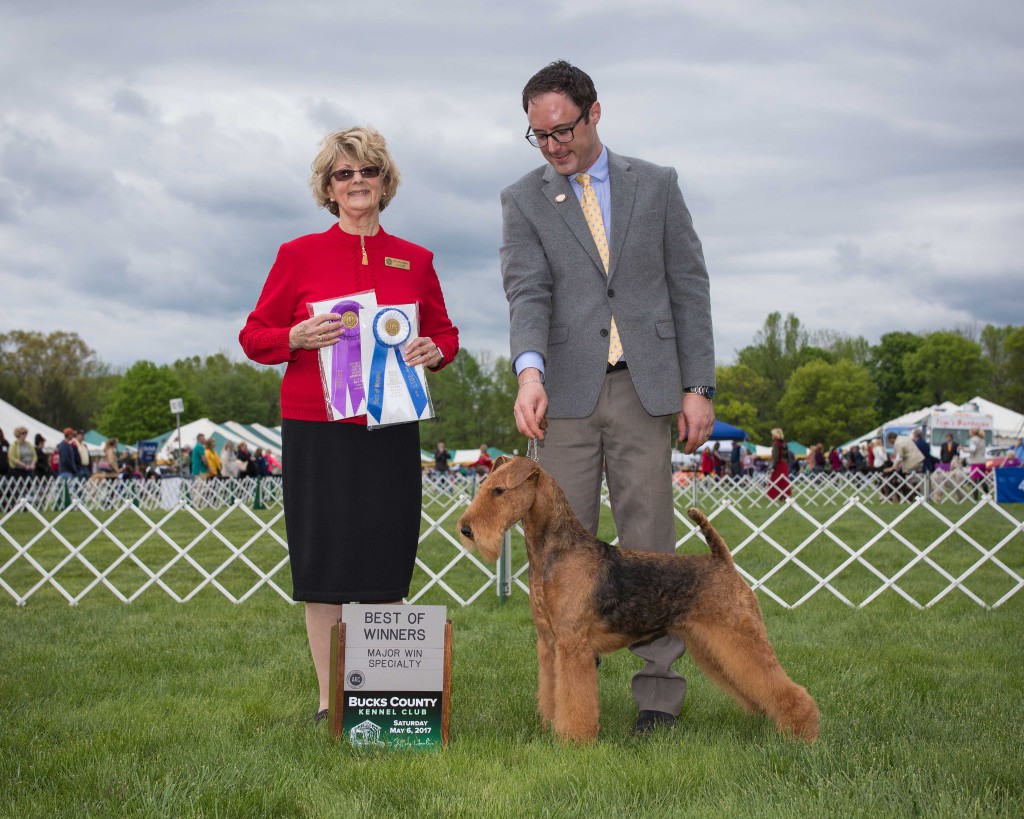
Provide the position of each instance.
(577, 705)
(545, 651)
(546, 676)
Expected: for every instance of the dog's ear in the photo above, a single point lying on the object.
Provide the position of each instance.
(515, 470)
(500, 461)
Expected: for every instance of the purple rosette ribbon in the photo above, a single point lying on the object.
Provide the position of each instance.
(346, 359)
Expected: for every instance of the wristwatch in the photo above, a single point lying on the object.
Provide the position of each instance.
(707, 392)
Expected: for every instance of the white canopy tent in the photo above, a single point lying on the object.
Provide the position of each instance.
(1007, 425)
(11, 417)
(228, 431)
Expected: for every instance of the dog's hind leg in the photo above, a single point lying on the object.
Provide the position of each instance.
(707, 663)
(744, 658)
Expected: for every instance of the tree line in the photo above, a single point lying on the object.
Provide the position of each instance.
(822, 387)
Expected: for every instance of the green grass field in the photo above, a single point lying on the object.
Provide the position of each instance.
(204, 708)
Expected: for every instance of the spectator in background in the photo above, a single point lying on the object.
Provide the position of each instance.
(976, 455)
(918, 438)
(867, 457)
(5, 448)
(69, 462)
(483, 464)
(816, 456)
(1018, 450)
(109, 462)
(212, 459)
(274, 466)
(748, 462)
(44, 462)
(834, 460)
(229, 461)
(200, 469)
(260, 463)
(85, 468)
(736, 459)
(906, 457)
(245, 465)
(21, 456)
(707, 462)
(778, 479)
(949, 449)
(717, 460)
(881, 457)
(441, 458)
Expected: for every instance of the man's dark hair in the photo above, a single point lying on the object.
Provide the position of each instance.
(562, 78)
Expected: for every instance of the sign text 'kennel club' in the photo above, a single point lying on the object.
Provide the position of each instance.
(392, 675)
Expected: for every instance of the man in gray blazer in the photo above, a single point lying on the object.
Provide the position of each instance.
(611, 336)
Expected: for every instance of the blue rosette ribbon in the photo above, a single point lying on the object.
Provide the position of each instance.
(392, 328)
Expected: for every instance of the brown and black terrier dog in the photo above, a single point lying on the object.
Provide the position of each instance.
(588, 598)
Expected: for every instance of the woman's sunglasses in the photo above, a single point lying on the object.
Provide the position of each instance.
(369, 172)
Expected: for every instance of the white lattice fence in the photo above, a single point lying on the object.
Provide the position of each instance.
(825, 539)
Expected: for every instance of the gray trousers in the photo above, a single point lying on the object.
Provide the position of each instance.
(619, 437)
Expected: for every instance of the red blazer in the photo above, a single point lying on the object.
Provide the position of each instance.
(322, 266)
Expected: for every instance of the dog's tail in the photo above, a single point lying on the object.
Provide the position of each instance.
(719, 550)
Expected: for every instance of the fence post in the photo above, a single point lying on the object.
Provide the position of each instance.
(65, 498)
(257, 501)
(505, 569)
(696, 492)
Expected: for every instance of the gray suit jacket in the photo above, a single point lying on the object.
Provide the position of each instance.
(561, 303)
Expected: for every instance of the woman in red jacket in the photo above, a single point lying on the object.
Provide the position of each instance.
(352, 497)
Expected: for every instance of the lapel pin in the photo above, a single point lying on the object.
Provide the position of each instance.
(560, 197)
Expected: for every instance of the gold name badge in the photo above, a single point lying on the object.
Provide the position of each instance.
(401, 263)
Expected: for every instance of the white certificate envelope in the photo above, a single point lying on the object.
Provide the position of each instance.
(396, 393)
(341, 364)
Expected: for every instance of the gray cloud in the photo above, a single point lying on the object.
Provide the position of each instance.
(862, 168)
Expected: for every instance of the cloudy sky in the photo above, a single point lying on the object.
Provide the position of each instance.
(858, 164)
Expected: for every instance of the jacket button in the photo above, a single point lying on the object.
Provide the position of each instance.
(604, 334)
(611, 293)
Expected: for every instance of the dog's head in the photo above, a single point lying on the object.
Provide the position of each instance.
(504, 498)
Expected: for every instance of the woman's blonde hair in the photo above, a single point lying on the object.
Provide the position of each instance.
(362, 145)
(777, 433)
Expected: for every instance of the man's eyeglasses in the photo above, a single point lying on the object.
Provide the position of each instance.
(345, 174)
(538, 139)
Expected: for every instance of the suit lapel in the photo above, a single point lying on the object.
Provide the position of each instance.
(623, 182)
(569, 209)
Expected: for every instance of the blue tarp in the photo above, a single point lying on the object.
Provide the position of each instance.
(727, 432)
(1010, 484)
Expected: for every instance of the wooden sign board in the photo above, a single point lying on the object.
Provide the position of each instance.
(391, 679)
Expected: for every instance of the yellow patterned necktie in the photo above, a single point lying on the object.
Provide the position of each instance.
(592, 213)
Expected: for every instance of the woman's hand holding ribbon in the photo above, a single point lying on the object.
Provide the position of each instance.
(422, 351)
(316, 332)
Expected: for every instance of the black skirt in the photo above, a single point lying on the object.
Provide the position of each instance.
(352, 501)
